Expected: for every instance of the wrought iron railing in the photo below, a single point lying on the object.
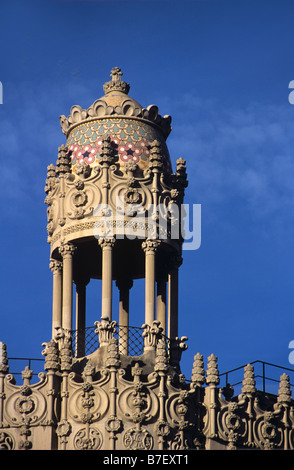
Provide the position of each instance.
(266, 375)
(18, 364)
(130, 340)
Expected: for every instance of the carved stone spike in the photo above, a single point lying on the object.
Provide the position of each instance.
(51, 355)
(284, 390)
(51, 178)
(63, 161)
(107, 152)
(212, 374)
(198, 373)
(155, 159)
(113, 357)
(248, 382)
(181, 174)
(4, 368)
(64, 338)
(161, 361)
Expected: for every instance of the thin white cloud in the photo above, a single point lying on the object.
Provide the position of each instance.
(237, 153)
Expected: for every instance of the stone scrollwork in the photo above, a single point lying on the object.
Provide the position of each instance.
(267, 434)
(6, 441)
(88, 403)
(138, 439)
(25, 405)
(88, 438)
(117, 407)
(232, 427)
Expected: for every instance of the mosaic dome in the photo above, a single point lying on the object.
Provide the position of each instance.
(129, 125)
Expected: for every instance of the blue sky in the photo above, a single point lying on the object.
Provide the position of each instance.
(221, 69)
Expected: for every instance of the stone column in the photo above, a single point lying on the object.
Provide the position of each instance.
(107, 245)
(150, 247)
(124, 286)
(80, 315)
(56, 268)
(67, 251)
(173, 281)
(161, 301)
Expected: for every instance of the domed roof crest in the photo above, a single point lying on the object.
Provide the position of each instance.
(116, 103)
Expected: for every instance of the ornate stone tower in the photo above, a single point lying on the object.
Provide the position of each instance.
(114, 214)
(110, 199)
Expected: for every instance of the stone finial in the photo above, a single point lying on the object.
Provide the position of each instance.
(51, 355)
(64, 338)
(212, 374)
(113, 358)
(181, 173)
(248, 382)
(51, 178)
(107, 152)
(155, 159)
(27, 375)
(161, 361)
(116, 83)
(198, 373)
(63, 161)
(4, 368)
(284, 390)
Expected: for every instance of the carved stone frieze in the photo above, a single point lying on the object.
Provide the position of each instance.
(122, 406)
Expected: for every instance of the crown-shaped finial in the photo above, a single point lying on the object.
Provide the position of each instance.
(116, 83)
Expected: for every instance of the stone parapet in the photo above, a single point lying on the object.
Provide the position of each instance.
(113, 402)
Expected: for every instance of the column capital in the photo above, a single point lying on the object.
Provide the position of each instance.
(67, 250)
(55, 266)
(106, 242)
(150, 245)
